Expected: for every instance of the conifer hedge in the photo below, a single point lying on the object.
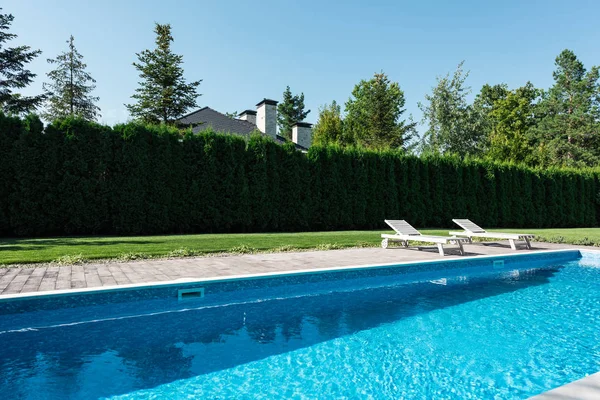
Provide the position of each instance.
(81, 178)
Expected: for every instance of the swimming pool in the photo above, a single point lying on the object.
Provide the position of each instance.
(504, 327)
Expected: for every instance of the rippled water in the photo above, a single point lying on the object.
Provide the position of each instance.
(504, 335)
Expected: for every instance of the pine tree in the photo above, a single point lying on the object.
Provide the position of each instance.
(290, 111)
(13, 74)
(569, 129)
(374, 115)
(163, 95)
(71, 86)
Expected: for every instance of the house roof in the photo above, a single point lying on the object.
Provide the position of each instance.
(206, 117)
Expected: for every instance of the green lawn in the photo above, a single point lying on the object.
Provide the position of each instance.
(69, 249)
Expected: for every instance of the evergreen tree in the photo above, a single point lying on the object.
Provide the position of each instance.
(513, 117)
(453, 124)
(163, 95)
(329, 127)
(481, 108)
(374, 115)
(70, 91)
(290, 111)
(13, 74)
(569, 130)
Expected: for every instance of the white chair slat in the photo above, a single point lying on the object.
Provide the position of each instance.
(402, 227)
(467, 225)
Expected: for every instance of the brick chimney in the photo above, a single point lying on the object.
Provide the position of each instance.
(248, 115)
(302, 134)
(266, 117)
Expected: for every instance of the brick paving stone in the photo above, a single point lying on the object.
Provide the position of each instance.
(47, 284)
(63, 284)
(107, 280)
(39, 271)
(26, 271)
(7, 278)
(92, 279)
(51, 273)
(104, 271)
(78, 284)
(33, 282)
(16, 285)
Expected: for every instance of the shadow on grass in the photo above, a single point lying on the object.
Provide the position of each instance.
(36, 244)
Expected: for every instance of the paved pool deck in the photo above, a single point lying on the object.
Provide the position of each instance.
(15, 280)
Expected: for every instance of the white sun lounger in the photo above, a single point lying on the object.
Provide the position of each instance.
(471, 230)
(406, 233)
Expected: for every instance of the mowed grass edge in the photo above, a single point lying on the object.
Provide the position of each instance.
(76, 249)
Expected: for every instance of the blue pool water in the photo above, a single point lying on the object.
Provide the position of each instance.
(448, 330)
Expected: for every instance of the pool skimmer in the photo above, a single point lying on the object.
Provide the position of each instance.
(190, 294)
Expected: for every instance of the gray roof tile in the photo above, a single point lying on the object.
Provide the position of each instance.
(206, 117)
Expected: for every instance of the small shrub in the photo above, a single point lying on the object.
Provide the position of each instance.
(70, 259)
(131, 256)
(329, 246)
(366, 244)
(284, 249)
(183, 252)
(243, 249)
(585, 241)
(556, 239)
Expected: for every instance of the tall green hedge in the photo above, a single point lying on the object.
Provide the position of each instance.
(74, 177)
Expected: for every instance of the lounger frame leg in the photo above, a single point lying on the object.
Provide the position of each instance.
(512, 244)
(460, 247)
(385, 243)
(440, 249)
(527, 244)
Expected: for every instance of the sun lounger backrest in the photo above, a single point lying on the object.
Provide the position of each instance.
(402, 227)
(467, 225)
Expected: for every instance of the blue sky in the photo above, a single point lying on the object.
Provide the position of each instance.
(246, 51)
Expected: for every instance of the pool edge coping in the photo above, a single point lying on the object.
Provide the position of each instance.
(580, 389)
(189, 281)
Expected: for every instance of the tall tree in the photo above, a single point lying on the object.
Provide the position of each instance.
(330, 126)
(569, 130)
(290, 111)
(513, 117)
(163, 94)
(13, 74)
(69, 92)
(453, 124)
(374, 115)
(481, 108)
